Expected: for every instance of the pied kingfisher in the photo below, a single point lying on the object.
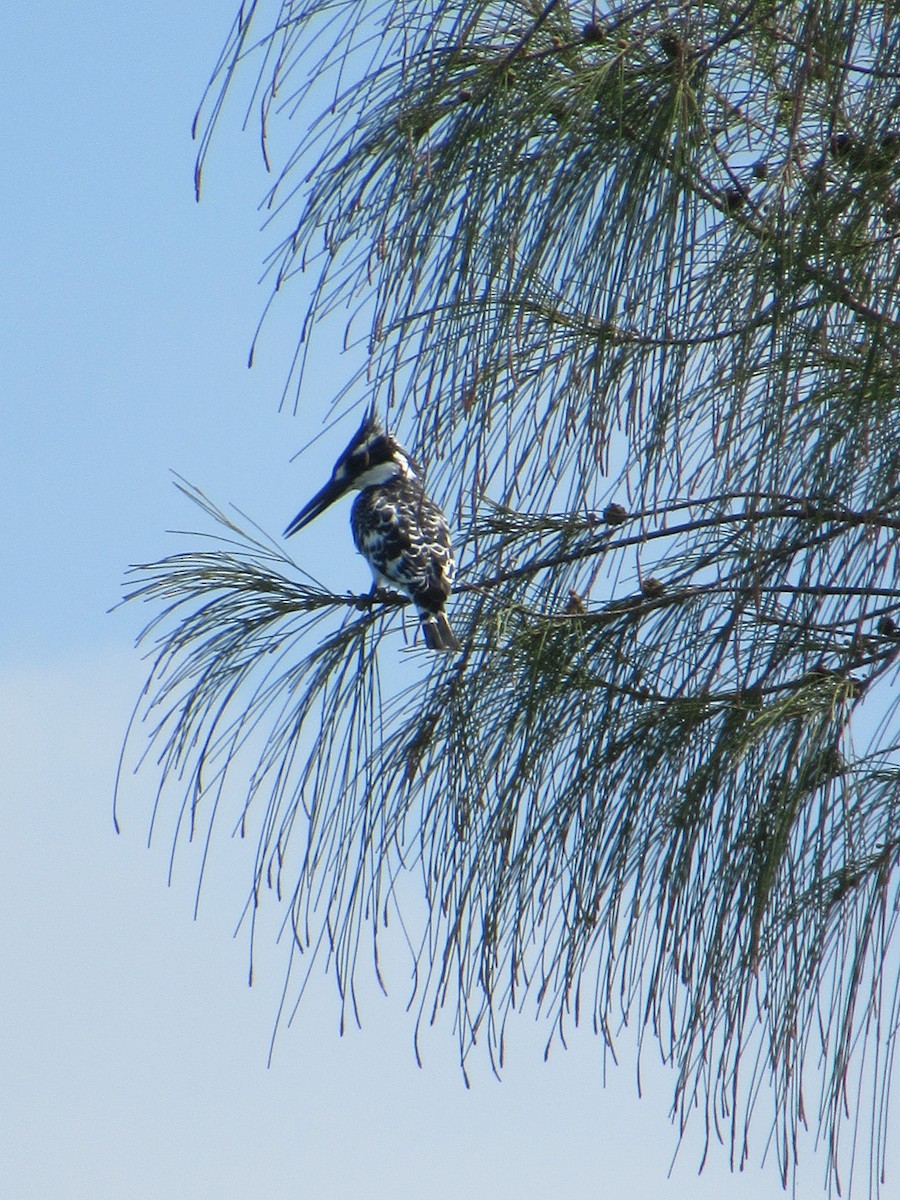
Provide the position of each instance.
(400, 532)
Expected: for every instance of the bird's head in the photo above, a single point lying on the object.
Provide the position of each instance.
(372, 457)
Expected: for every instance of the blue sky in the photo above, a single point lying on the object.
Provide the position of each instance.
(134, 1054)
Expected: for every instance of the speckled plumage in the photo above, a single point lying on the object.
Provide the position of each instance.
(404, 538)
(400, 532)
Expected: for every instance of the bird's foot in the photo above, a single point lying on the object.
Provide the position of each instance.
(378, 595)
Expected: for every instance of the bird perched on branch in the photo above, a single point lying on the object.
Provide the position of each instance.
(400, 532)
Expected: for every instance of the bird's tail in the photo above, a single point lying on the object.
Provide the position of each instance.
(437, 632)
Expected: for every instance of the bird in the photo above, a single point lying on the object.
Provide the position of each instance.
(397, 528)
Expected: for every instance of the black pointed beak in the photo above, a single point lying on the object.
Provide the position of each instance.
(332, 490)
